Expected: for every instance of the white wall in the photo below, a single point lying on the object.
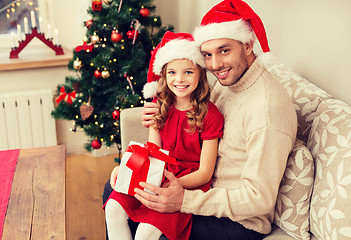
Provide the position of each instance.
(311, 36)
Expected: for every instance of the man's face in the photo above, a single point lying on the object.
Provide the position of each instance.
(226, 59)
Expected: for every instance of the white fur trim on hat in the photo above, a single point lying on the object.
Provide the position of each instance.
(237, 30)
(177, 49)
(150, 89)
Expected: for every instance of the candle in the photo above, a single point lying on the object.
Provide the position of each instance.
(40, 25)
(14, 39)
(26, 25)
(56, 38)
(32, 15)
(48, 34)
(19, 32)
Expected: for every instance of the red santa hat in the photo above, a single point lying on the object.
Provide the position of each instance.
(172, 46)
(233, 19)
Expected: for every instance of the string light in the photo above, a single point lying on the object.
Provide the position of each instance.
(96, 123)
(77, 116)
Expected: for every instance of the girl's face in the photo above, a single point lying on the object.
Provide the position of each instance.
(182, 77)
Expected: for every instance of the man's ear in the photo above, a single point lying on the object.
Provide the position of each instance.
(248, 47)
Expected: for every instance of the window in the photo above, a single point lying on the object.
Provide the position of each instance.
(16, 14)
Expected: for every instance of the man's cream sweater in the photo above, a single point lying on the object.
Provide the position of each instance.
(259, 133)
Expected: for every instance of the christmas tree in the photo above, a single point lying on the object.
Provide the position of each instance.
(111, 68)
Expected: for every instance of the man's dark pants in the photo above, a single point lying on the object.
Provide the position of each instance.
(204, 227)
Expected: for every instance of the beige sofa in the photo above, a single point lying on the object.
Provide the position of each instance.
(316, 188)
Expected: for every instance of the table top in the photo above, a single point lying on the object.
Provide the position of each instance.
(36, 208)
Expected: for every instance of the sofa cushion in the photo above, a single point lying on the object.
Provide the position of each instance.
(330, 144)
(293, 202)
(305, 96)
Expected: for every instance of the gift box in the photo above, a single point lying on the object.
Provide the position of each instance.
(141, 163)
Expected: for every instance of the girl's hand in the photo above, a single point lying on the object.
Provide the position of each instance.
(148, 113)
(113, 177)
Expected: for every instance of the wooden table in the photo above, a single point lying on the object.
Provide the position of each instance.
(36, 208)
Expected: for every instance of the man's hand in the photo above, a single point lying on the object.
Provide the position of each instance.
(166, 200)
(148, 113)
(113, 177)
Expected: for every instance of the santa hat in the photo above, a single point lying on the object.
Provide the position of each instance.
(172, 46)
(233, 19)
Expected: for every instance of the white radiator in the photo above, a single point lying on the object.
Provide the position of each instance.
(25, 120)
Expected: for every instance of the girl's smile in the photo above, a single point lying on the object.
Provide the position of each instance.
(182, 79)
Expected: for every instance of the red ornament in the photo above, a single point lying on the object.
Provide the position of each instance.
(115, 114)
(97, 4)
(144, 12)
(89, 23)
(97, 73)
(131, 33)
(116, 36)
(96, 144)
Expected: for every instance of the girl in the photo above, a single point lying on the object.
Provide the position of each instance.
(188, 125)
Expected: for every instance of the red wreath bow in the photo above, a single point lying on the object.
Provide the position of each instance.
(63, 94)
(85, 47)
(139, 162)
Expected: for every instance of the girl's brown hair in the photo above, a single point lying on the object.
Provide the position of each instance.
(199, 100)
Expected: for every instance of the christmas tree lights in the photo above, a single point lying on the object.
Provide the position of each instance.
(111, 68)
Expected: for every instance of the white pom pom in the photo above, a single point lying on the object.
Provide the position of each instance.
(267, 60)
(150, 89)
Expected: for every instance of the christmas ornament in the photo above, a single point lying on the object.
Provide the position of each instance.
(89, 23)
(120, 5)
(76, 86)
(105, 74)
(96, 5)
(115, 114)
(116, 36)
(108, 2)
(96, 144)
(134, 28)
(97, 73)
(86, 110)
(94, 38)
(144, 12)
(70, 96)
(131, 33)
(85, 47)
(77, 64)
(129, 81)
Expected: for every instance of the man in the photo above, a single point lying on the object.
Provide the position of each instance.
(259, 133)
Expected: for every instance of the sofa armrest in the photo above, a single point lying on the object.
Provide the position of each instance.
(131, 127)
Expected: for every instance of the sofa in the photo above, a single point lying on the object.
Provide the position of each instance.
(316, 186)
